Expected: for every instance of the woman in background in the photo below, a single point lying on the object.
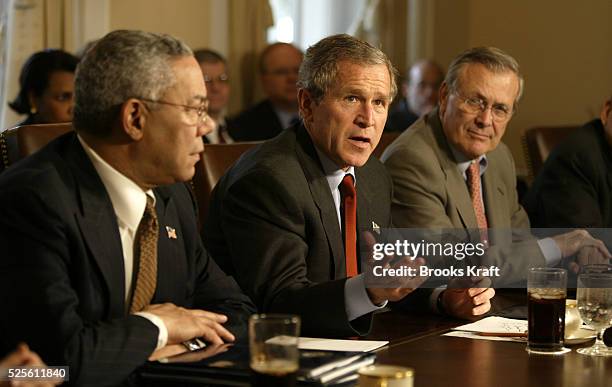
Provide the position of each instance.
(46, 88)
(46, 95)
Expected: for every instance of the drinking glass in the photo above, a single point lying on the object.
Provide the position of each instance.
(547, 291)
(273, 346)
(594, 299)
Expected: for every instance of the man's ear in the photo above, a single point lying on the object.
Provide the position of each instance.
(133, 118)
(305, 104)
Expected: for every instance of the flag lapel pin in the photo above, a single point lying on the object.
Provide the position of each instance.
(171, 232)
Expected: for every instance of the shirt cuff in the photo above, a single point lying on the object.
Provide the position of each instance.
(356, 299)
(551, 252)
(433, 299)
(162, 337)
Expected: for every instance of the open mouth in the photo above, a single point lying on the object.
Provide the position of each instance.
(360, 141)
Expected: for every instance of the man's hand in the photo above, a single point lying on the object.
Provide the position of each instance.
(402, 286)
(468, 302)
(24, 357)
(587, 249)
(186, 324)
(588, 255)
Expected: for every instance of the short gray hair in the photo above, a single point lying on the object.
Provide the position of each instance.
(319, 69)
(492, 58)
(122, 65)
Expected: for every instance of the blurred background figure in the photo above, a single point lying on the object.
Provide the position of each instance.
(215, 71)
(574, 188)
(420, 92)
(46, 86)
(279, 65)
(46, 96)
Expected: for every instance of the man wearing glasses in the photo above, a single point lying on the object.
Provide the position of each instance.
(278, 71)
(450, 171)
(102, 265)
(215, 72)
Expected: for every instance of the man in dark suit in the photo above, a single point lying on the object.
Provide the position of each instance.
(420, 92)
(574, 188)
(215, 72)
(278, 70)
(288, 201)
(451, 171)
(102, 265)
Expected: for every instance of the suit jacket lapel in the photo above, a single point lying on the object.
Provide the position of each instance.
(98, 224)
(455, 182)
(171, 260)
(322, 197)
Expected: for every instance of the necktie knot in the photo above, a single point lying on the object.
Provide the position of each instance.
(347, 186)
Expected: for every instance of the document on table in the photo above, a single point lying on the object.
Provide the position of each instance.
(340, 345)
(491, 325)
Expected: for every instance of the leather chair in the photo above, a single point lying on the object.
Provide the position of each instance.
(29, 139)
(385, 140)
(539, 142)
(214, 162)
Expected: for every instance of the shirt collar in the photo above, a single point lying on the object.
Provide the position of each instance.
(128, 199)
(333, 173)
(285, 117)
(463, 163)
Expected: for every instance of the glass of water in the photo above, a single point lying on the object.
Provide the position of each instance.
(594, 300)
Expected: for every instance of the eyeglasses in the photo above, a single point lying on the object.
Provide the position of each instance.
(201, 112)
(223, 78)
(500, 112)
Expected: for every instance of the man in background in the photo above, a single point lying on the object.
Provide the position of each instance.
(215, 72)
(420, 92)
(278, 71)
(574, 188)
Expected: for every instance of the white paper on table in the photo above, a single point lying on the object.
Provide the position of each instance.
(495, 324)
(320, 344)
(491, 324)
(472, 335)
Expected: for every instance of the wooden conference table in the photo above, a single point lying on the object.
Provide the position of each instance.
(415, 341)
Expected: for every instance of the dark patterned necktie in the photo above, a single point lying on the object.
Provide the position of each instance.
(146, 246)
(349, 209)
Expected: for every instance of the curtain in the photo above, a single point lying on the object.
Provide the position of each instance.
(384, 24)
(248, 24)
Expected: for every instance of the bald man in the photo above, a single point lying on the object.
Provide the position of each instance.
(420, 91)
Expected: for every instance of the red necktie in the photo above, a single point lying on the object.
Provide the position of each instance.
(349, 206)
(473, 179)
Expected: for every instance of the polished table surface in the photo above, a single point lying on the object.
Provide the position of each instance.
(416, 341)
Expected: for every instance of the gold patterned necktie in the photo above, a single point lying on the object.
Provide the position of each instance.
(146, 246)
(473, 179)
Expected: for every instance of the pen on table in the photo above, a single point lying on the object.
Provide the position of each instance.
(502, 334)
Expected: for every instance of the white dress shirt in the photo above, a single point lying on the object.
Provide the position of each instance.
(129, 202)
(356, 299)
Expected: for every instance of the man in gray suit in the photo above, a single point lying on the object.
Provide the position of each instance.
(450, 171)
(280, 215)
